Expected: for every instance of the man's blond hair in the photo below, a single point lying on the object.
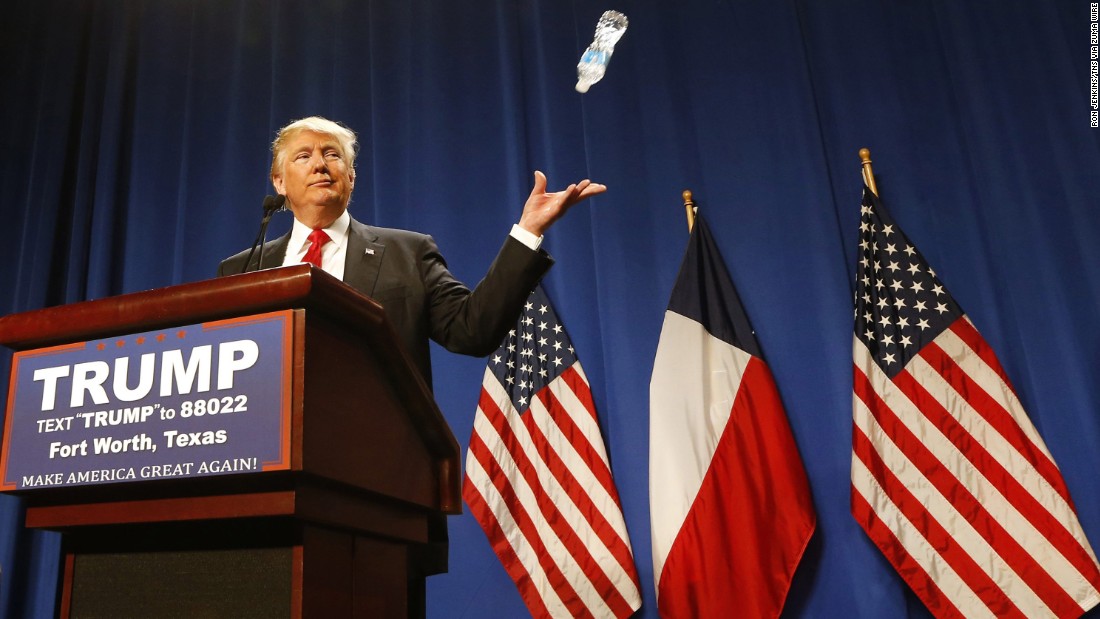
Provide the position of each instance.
(345, 138)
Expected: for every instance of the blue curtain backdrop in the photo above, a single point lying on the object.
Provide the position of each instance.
(135, 156)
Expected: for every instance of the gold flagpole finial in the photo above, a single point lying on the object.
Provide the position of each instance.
(868, 175)
(689, 206)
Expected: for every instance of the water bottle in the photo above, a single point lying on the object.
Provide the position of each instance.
(594, 60)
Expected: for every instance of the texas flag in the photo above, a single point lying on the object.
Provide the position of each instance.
(730, 505)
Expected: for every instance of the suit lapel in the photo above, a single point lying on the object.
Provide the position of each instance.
(364, 259)
(273, 253)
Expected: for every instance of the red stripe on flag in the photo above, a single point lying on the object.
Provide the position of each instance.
(937, 537)
(579, 386)
(918, 580)
(604, 529)
(580, 499)
(960, 497)
(751, 519)
(599, 467)
(995, 413)
(503, 483)
(974, 340)
(498, 539)
(1040, 517)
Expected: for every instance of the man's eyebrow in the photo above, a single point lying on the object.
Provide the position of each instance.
(322, 145)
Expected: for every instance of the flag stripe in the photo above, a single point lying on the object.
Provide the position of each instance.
(721, 540)
(679, 461)
(600, 510)
(1044, 541)
(968, 334)
(555, 411)
(897, 478)
(872, 514)
(984, 369)
(1018, 502)
(972, 378)
(1011, 470)
(952, 475)
(517, 556)
(923, 469)
(533, 484)
(519, 502)
(595, 453)
(572, 506)
(977, 427)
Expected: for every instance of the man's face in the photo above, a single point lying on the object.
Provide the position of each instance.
(315, 178)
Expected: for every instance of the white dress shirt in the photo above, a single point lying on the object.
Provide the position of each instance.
(332, 253)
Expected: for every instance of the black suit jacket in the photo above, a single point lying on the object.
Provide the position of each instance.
(407, 275)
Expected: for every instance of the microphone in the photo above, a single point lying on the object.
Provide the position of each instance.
(272, 205)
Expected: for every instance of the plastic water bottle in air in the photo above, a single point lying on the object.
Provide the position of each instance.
(594, 60)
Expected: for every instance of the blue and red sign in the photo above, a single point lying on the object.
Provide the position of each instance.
(208, 399)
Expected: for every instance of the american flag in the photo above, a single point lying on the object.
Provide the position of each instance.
(949, 477)
(538, 480)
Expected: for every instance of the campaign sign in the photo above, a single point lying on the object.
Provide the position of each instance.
(207, 399)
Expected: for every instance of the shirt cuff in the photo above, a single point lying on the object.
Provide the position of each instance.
(525, 237)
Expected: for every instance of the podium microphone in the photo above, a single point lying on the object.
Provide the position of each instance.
(272, 205)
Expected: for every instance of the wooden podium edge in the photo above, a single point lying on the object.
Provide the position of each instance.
(225, 297)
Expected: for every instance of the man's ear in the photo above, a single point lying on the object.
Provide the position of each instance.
(277, 182)
(351, 178)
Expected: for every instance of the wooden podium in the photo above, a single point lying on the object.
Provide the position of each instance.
(350, 529)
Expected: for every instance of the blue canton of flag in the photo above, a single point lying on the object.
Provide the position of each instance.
(536, 352)
(900, 304)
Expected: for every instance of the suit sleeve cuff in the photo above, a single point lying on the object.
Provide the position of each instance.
(525, 237)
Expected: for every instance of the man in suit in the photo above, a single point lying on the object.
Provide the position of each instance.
(313, 166)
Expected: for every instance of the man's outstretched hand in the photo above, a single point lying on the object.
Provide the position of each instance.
(543, 209)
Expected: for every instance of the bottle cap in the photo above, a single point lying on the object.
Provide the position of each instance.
(583, 86)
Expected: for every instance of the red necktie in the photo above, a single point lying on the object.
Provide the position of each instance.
(317, 239)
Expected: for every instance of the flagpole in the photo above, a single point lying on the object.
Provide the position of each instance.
(868, 175)
(689, 206)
